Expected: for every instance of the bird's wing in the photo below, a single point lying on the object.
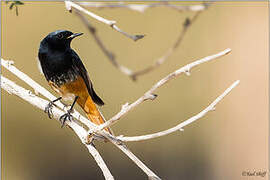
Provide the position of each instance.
(80, 69)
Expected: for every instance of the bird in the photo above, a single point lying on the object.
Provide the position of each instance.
(67, 76)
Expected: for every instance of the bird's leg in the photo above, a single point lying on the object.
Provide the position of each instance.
(48, 108)
(68, 115)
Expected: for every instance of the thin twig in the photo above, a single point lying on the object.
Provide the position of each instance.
(151, 175)
(100, 162)
(28, 96)
(180, 126)
(9, 66)
(111, 23)
(149, 94)
(188, 22)
(108, 53)
(142, 7)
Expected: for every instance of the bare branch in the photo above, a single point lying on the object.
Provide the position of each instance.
(211, 107)
(142, 7)
(93, 129)
(151, 175)
(100, 162)
(9, 66)
(188, 22)
(108, 53)
(28, 96)
(41, 90)
(149, 94)
(111, 23)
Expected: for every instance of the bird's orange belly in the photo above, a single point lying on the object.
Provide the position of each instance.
(70, 90)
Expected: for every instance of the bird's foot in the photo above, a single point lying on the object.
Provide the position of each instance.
(48, 109)
(66, 117)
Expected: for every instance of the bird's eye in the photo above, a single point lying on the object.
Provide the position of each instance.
(60, 36)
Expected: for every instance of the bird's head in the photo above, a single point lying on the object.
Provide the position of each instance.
(60, 39)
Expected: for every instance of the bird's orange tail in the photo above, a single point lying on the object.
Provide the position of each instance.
(92, 112)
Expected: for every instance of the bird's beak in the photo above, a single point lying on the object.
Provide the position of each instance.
(74, 35)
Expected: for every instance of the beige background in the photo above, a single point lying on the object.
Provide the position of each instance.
(221, 145)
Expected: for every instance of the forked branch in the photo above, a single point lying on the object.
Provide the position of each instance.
(149, 95)
(39, 89)
(90, 129)
(141, 8)
(111, 23)
(186, 25)
(180, 126)
(40, 103)
(118, 142)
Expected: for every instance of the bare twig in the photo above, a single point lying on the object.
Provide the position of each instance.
(151, 175)
(108, 53)
(211, 107)
(111, 23)
(142, 7)
(100, 162)
(9, 66)
(188, 22)
(28, 96)
(149, 94)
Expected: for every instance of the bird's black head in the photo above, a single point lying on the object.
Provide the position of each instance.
(60, 39)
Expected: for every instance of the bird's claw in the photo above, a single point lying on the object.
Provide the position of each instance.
(48, 109)
(65, 117)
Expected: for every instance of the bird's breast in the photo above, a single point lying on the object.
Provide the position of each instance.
(57, 67)
(64, 77)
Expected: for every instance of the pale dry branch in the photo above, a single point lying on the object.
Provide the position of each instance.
(100, 162)
(39, 89)
(142, 7)
(211, 107)
(150, 93)
(91, 129)
(40, 103)
(101, 45)
(111, 23)
(151, 175)
(188, 22)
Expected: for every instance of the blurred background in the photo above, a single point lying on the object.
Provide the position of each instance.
(221, 145)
